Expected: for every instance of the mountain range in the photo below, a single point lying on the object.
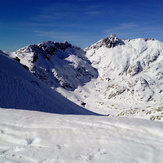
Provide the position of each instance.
(116, 77)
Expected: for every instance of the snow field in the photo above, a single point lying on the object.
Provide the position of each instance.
(32, 137)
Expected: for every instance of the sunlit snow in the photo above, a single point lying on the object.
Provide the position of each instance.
(62, 104)
(35, 137)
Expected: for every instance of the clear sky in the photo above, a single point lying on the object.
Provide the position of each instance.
(80, 22)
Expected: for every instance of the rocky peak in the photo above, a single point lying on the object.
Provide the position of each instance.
(108, 42)
(46, 49)
(111, 41)
(51, 47)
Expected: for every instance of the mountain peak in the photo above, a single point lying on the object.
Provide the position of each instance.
(57, 64)
(57, 45)
(112, 41)
(108, 42)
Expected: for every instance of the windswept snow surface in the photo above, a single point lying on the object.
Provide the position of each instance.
(20, 89)
(36, 137)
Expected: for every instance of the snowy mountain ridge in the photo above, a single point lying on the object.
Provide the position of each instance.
(112, 76)
(57, 64)
(130, 73)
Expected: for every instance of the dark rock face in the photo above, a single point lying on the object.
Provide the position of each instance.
(108, 42)
(47, 49)
(112, 41)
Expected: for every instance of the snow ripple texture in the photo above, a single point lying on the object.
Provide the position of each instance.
(35, 137)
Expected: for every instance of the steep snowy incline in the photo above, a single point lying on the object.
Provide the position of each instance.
(22, 90)
(57, 64)
(35, 137)
(130, 81)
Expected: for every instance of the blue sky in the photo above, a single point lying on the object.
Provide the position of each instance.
(80, 22)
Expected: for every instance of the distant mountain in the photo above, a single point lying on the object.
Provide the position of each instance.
(19, 89)
(112, 76)
(130, 75)
(57, 64)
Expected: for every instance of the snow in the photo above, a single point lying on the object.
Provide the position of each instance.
(130, 78)
(20, 89)
(57, 64)
(32, 137)
(112, 77)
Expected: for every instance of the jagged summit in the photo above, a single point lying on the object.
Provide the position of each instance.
(47, 49)
(51, 47)
(108, 42)
(112, 41)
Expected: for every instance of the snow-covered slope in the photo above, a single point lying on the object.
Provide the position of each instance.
(35, 137)
(22, 90)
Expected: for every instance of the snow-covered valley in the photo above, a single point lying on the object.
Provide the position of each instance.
(60, 103)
